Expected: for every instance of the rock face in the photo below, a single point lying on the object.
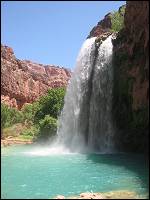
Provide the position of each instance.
(131, 75)
(131, 78)
(102, 27)
(24, 81)
(105, 26)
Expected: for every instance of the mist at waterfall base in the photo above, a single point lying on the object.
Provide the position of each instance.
(69, 165)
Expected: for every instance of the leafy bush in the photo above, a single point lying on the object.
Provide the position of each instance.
(10, 116)
(50, 104)
(47, 127)
(39, 119)
(14, 130)
(25, 137)
(29, 111)
(32, 131)
(117, 19)
(4, 115)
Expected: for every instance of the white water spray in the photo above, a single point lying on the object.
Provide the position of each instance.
(85, 121)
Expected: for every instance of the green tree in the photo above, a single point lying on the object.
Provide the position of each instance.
(50, 104)
(47, 127)
(10, 116)
(29, 111)
(4, 115)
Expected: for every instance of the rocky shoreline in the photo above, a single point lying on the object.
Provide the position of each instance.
(10, 141)
(119, 194)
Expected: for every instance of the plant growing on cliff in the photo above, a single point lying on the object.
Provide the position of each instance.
(117, 19)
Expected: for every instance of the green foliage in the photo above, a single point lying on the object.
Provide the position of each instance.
(25, 137)
(29, 111)
(31, 131)
(4, 115)
(13, 130)
(48, 127)
(117, 19)
(38, 120)
(10, 116)
(50, 104)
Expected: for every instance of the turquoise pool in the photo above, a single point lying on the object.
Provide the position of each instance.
(30, 175)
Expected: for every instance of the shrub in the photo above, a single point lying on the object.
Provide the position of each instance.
(29, 111)
(10, 116)
(117, 19)
(50, 104)
(29, 133)
(32, 131)
(47, 127)
(38, 119)
(14, 130)
(4, 115)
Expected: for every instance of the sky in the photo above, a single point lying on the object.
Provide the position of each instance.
(51, 32)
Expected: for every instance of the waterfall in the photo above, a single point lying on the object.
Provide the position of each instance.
(85, 121)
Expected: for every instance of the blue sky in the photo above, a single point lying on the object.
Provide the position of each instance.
(51, 32)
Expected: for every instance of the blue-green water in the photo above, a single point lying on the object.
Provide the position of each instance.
(37, 176)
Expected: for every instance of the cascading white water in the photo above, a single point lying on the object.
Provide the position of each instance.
(100, 119)
(85, 121)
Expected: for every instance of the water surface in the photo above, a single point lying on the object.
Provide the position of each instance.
(29, 173)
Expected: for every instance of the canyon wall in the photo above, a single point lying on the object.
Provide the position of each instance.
(131, 75)
(24, 81)
(131, 79)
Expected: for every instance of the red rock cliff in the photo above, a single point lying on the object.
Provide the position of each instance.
(131, 78)
(131, 75)
(24, 81)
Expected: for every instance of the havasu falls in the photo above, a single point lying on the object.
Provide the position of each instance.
(97, 143)
(85, 122)
(69, 165)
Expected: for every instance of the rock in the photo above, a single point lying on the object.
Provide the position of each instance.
(131, 79)
(101, 38)
(131, 74)
(23, 81)
(105, 25)
(60, 197)
(88, 195)
(121, 194)
(102, 27)
(133, 40)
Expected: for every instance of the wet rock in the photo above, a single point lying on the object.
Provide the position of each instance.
(60, 197)
(101, 38)
(88, 195)
(131, 79)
